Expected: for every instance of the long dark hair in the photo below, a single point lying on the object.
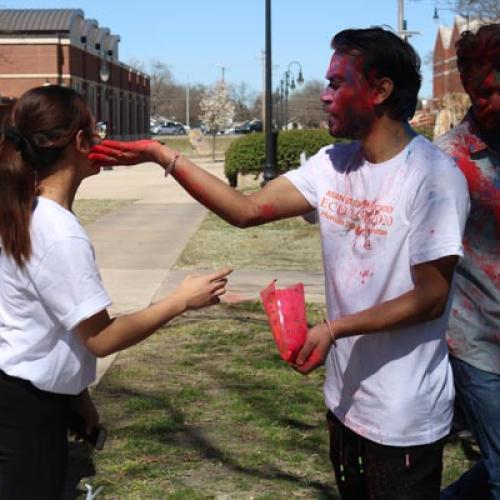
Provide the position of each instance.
(43, 122)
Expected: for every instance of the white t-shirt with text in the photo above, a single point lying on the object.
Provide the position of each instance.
(377, 221)
(41, 304)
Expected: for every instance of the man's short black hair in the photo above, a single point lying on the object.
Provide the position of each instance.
(385, 55)
(478, 54)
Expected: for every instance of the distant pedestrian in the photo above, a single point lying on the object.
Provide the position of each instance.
(53, 317)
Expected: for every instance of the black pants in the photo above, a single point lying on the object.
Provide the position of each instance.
(33, 441)
(368, 470)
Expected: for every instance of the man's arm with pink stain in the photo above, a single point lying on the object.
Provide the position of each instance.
(279, 199)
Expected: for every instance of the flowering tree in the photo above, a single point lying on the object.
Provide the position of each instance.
(218, 110)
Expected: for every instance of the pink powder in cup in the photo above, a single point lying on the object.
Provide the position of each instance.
(286, 312)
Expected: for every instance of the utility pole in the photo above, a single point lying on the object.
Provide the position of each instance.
(222, 72)
(263, 94)
(187, 103)
(402, 24)
(401, 17)
(270, 165)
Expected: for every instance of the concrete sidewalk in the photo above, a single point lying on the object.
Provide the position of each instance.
(137, 245)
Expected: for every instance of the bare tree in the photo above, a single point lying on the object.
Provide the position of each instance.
(243, 99)
(482, 9)
(487, 10)
(304, 105)
(255, 108)
(196, 93)
(163, 89)
(217, 109)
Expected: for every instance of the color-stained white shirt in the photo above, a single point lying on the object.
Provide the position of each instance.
(41, 304)
(377, 221)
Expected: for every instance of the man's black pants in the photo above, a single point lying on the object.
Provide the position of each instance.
(368, 470)
(33, 441)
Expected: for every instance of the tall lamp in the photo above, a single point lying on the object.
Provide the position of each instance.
(104, 74)
(269, 171)
(287, 84)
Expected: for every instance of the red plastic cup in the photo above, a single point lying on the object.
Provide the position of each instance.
(286, 313)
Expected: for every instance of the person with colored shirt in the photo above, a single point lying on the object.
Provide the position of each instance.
(392, 209)
(474, 328)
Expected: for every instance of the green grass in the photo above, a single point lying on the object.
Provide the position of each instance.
(89, 211)
(290, 244)
(205, 409)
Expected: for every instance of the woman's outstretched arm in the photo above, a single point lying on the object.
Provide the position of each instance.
(103, 335)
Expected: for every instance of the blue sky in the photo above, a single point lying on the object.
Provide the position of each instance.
(196, 37)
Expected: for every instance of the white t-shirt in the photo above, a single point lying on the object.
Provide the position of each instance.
(40, 304)
(376, 221)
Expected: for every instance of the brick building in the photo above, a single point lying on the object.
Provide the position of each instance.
(446, 79)
(60, 46)
(450, 102)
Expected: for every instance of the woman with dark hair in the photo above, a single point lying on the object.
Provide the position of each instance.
(53, 317)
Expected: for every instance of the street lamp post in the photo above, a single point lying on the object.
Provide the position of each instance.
(287, 83)
(104, 75)
(282, 103)
(269, 171)
(436, 14)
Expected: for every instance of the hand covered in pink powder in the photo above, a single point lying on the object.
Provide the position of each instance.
(315, 349)
(113, 153)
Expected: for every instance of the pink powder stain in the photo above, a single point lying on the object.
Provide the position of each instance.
(468, 306)
(314, 359)
(491, 270)
(473, 142)
(267, 211)
(368, 273)
(479, 185)
(454, 346)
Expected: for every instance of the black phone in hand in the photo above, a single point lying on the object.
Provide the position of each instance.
(97, 436)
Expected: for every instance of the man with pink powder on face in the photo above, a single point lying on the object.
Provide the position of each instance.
(474, 328)
(392, 210)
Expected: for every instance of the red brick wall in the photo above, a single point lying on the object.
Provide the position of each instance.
(55, 59)
(28, 59)
(444, 61)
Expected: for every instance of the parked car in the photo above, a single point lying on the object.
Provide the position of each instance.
(255, 126)
(245, 127)
(170, 128)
